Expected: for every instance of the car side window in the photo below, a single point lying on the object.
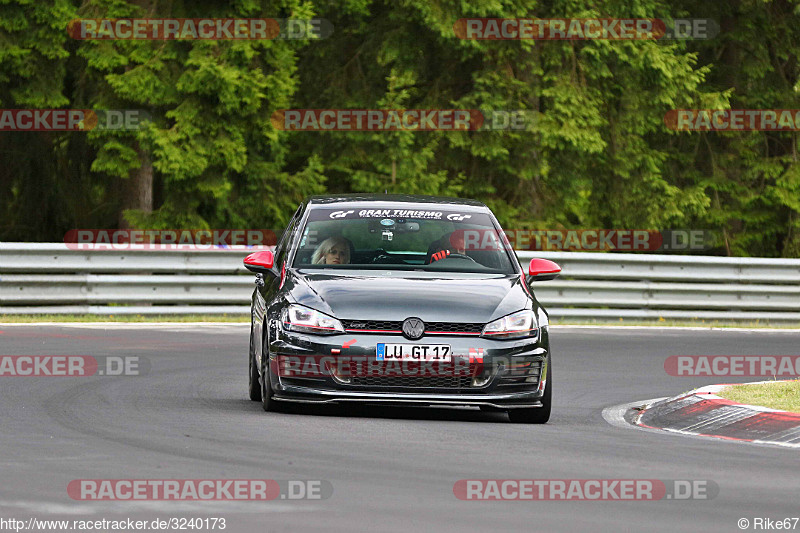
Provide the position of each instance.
(281, 251)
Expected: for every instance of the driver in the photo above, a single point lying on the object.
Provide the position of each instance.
(453, 244)
(332, 251)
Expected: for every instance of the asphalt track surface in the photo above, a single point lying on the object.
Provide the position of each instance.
(392, 469)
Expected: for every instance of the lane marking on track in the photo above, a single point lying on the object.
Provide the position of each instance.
(615, 416)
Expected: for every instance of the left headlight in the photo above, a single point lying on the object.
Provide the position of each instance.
(306, 320)
(514, 326)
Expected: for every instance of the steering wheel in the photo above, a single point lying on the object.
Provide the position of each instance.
(454, 256)
(382, 257)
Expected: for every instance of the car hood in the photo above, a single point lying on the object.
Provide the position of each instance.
(395, 295)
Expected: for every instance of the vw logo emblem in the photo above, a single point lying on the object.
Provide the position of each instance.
(413, 328)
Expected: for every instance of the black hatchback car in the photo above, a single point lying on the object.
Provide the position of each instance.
(399, 299)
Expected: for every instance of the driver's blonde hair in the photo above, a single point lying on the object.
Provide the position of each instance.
(325, 247)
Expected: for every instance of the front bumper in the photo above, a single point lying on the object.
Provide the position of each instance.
(505, 374)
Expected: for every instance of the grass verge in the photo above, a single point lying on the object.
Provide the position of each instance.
(783, 395)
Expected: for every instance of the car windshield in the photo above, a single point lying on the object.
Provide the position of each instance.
(409, 239)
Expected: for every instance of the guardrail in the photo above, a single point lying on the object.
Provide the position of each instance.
(38, 278)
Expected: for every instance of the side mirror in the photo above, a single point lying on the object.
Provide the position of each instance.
(260, 262)
(543, 269)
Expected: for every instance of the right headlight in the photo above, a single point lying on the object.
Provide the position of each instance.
(514, 326)
(306, 320)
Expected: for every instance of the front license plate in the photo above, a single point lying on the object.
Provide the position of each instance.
(414, 352)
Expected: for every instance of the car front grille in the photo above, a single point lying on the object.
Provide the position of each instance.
(414, 382)
(396, 327)
(409, 375)
(454, 328)
(373, 325)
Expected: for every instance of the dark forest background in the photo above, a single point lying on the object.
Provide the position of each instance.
(599, 155)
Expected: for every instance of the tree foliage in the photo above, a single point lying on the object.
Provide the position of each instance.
(598, 154)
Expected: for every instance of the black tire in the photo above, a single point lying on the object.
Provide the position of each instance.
(267, 401)
(536, 415)
(253, 386)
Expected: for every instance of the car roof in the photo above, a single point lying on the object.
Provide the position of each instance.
(371, 199)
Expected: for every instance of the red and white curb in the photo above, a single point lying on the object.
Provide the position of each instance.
(702, 413)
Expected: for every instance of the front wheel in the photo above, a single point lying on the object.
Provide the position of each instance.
(268, 402)
(253, 388)
(536, 415)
